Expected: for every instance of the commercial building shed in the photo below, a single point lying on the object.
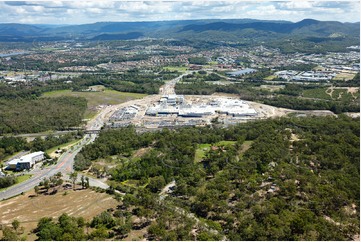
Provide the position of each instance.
(241, 72)
(26, 161)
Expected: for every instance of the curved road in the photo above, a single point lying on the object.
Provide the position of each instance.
(64, 164)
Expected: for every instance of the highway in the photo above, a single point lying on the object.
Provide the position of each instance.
(169, 87)
(64, 164)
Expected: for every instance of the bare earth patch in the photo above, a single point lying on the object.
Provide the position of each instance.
(329, 91)
(353, 91)
(340, 95)
(28, 210)
(142, 151)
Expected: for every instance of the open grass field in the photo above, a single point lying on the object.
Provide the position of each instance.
(344, 76)
(201, 152)
(225, 143)
(23, 178)
(271, 88)
(176, 68)
(317, 93)
(94, 99)
(269, 78)
(203, 148)
(52, 150)
(28, 210)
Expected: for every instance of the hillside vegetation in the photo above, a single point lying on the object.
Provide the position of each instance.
(294, 179)
(36, 115)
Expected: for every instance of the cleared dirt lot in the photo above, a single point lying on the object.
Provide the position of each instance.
(28, 210)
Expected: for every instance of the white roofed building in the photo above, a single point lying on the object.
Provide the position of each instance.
(26, 161)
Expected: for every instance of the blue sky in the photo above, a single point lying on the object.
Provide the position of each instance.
(80, 12)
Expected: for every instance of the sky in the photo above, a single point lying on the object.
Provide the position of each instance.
(81, 12)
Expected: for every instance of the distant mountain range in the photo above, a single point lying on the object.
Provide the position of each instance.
(218, 30)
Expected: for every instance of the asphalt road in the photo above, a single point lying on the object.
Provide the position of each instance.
(64, 165)
(66, 160)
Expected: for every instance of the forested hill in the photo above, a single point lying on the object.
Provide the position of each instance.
(281, 179)
(225, 29)
(306, 25)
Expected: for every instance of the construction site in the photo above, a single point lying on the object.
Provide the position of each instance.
(168, 110)
(177, 110)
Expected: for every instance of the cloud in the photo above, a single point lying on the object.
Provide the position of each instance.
(296, 5)
(79, 12)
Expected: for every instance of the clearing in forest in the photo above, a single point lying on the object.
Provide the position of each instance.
(333, 93)
(202, 149)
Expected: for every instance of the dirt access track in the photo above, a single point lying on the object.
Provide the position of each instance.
(28, 210)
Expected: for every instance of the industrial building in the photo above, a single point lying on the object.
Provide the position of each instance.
(195, 111)
(172, 99)
(26, 161)
(306, 75)
(241, 72)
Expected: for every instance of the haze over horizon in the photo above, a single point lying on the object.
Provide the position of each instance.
(85, 12)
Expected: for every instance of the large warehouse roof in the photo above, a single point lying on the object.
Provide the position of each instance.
(241, 72)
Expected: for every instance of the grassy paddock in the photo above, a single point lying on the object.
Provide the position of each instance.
(344, 76)
(176, 68)
(62, 146)
(225, 143)
(269, 78)
(23, 178)
(317, 93)
(203, 148)
(94, 99)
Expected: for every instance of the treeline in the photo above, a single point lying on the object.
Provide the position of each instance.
(65, 229)
(7, 181)
(198, 60)
(17, 62)
(23, 111)
(305, 104)
(201, 76)
(298, 180)
(289, 97)
(39, 144)
(36, 115)
(312, 45)
(130, 81)
(298, 67)
(10, 144)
